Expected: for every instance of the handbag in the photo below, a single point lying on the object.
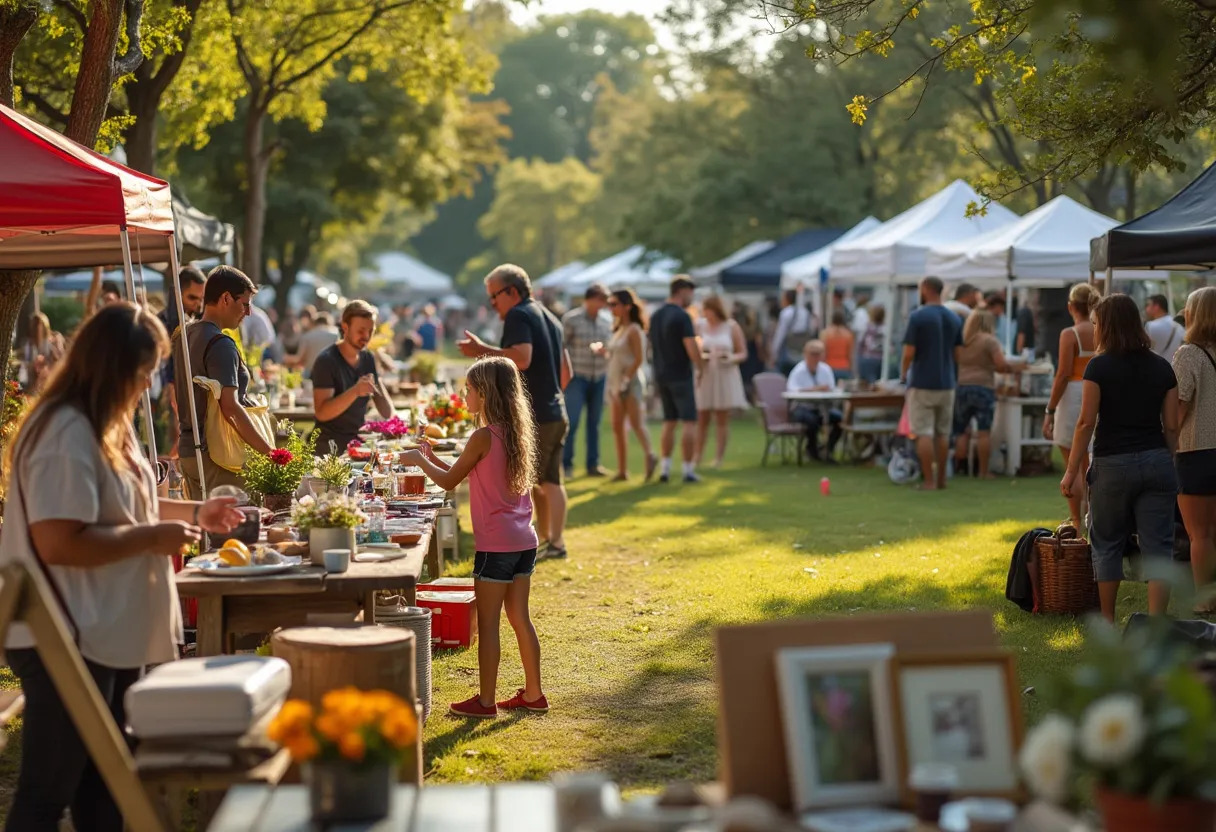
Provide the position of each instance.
(224, 444)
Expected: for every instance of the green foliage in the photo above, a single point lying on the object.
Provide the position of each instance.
(64, 313)
(283, 469)
(1176, 757)
(334, 470)
(543, 213)
(328, 511)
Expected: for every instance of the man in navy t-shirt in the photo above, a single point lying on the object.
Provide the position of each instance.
(532, 338)
(932, 343)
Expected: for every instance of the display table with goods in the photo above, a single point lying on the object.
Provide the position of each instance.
(334, 555)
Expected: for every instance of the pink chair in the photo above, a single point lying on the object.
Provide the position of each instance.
(775, 417)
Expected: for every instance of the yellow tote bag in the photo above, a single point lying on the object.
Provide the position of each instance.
(225, 446)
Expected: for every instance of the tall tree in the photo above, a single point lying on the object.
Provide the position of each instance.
(287, 54)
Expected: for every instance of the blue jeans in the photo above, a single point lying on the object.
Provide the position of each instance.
(581, 393)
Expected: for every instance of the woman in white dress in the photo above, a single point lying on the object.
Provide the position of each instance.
(1064, 406)
(720, 388)
(625, 388)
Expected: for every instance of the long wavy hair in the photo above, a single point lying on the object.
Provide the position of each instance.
(102, 375)
(637, 315)
(506, 406)
(979, 322)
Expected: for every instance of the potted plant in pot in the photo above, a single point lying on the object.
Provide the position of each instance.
(276, 476)
(1134, 724)
(350, 750)
(332, 474)
(329, 521)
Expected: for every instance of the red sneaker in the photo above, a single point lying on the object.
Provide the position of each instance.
(517, 702)
(473, 708)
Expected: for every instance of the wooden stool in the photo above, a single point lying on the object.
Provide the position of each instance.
(370, 657)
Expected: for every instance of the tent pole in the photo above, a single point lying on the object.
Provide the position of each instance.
(1009, 319)
(129, 275)
(886, 332)
(1108, 281)
(189, 382)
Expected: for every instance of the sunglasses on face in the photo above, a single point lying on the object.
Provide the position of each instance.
(613, 304)
(494, 295)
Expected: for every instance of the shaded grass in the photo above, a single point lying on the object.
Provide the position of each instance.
(626, 623)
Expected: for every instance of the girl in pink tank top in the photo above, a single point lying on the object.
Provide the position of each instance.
(499, 461)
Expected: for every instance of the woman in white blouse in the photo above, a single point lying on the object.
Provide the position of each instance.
(82, 507)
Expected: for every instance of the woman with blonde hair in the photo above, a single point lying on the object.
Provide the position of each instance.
(720, 388)
(1195, 369)
(979, 360)
(82, 507)
(1064, 405)
(43, 349)
(626, 390)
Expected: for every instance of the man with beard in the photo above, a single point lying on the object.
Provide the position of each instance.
(344, 377)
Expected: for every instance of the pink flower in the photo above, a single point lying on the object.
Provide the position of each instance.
(281, 456)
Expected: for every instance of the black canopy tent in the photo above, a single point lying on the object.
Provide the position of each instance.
(763, 271)
(1178, 236)
(200, 236)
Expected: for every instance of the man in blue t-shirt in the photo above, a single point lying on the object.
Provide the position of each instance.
(677, 365)
(532, 339)
(932, 343)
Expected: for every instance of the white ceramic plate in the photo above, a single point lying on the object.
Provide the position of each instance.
(216, 568)
(379, 556)
(954, 815)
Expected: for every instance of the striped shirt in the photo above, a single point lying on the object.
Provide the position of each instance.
(581, 331)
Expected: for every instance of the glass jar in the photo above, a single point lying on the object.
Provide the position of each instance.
(377, 513)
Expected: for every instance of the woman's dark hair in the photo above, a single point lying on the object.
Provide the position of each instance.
(1117, 326)
(838, 318)
(637, 315)
(104, 370)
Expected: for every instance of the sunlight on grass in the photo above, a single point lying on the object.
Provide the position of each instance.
(626, 624)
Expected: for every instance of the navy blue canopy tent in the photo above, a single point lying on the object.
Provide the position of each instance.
(764, 270)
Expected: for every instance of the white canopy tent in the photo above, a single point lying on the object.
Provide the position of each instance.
(712, 272)
(627, 269)
(556, 279)
(401, 270)
(1045, 248)
(895, 252)
(807, 269)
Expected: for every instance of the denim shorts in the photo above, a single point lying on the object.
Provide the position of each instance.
(1133, 493)
(973, 402)
(503, 567)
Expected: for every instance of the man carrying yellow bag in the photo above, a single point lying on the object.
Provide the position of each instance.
(231, 420)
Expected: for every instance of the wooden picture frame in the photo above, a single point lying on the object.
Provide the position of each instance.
(839, 738)
(988, 765)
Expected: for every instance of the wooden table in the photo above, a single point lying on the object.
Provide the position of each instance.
(874, 432)
(232, 606)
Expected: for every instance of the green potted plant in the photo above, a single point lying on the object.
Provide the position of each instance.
(276, 476)
(333, 473)
(329, 521)
(1134, 723)
(425, 367)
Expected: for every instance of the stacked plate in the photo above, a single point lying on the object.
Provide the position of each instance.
(417, 619)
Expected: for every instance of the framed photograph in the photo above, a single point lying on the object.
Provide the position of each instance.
(962, 710)
(839, 734)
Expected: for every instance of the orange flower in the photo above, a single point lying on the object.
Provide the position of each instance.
(292, 719)
(302, 748)
(352, 746)
(330, 726)
(400, 727)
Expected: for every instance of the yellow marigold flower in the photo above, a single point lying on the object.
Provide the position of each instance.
(352, 746)
(293, 718)
(331, 727)
(400, 727)
(302, 748)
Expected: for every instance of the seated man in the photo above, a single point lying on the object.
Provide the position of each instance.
(812, 373)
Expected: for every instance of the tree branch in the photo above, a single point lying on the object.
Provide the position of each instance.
(42, 105)
(329, 56)
(76, 14)
(130, 60)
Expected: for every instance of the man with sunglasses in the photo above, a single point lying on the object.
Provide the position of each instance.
(227, 296)
(532, 338)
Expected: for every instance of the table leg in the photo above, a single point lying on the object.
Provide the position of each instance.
(1013, 437)
(434, 556)
(369, 608)
(210, 633)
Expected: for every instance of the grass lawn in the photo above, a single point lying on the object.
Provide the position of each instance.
(626, 623)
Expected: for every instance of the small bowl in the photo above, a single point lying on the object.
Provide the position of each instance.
(405, 538)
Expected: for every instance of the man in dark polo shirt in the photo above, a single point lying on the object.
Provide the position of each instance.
(344, 378)
(532, 338)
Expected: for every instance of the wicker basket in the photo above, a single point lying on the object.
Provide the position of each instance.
(1066, 574)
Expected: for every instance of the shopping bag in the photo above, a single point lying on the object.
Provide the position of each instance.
(905, 422)
(225, 446)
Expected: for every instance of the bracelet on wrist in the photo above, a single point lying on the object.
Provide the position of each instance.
(1050, 411)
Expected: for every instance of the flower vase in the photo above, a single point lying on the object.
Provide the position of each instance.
(276, 502)
(321, 539)
(339, 792)
(1137, 813)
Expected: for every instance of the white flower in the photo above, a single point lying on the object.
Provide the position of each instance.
(306, 500)
(1046, 757)
(1112, 730)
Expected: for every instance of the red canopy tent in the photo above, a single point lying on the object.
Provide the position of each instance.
(63, 205)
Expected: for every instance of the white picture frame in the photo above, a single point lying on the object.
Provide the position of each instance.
(839, 734)
(964, 711)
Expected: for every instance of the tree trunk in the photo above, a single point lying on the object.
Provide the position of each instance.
(14, 23)
(257, 166)
(140, 137)
(1129, 209)
(290, 265)
(95, 80)
(16, 287)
